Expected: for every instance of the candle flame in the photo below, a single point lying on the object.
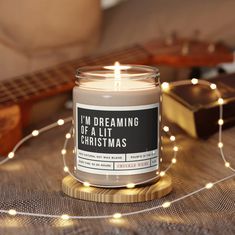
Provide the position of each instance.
(117, 68)
(117, 71)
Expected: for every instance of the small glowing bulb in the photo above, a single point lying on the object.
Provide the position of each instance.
(173, 160)
(172, 138)
(117, 215)
(68, 136)
(194, 81)
(66, 169)
(166, 128)
(162, 173)
(86, 184)
(11, 155)
(130, 185)
(63, 151)
(165, 86)
(35, 133)
(227, 164)
(65, 217)
(220, 145)
(213, 86)
(60, 122)
(175, 148)
(12, 212)
(220, 122)
(209, 185)
(166, 204)
(157, 173)
(220, 101)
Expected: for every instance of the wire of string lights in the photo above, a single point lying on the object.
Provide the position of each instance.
(165, 88)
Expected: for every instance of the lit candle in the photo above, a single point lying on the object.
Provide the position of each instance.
(117, 121)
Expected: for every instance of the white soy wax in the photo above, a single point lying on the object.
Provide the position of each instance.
(117, 124)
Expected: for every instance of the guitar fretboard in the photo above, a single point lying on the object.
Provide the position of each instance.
(61, 78)
(179, 52)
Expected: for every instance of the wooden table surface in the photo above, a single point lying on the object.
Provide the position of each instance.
(32, 182)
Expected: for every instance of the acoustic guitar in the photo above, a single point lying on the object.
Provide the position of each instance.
(17, 95)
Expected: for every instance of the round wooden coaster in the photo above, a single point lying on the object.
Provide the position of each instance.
(75, 189)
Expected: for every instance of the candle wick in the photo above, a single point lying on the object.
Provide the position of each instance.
(117, 75)
(117, 71)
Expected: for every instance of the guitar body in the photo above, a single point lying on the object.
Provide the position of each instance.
(10, 128)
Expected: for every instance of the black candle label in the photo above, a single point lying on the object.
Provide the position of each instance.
(117, 140)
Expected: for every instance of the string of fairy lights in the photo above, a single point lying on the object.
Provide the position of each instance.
(175, 149)
(165, 88)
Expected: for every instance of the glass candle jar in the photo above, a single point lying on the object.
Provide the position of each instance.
(117, 124)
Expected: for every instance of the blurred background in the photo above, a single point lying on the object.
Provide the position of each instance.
(37, 34)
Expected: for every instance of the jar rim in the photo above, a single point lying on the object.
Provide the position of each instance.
(130, 70)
